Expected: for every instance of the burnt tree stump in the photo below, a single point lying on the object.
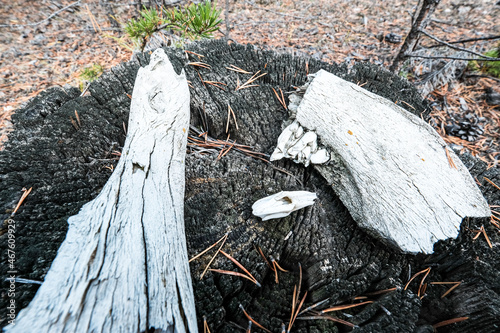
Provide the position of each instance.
(67, 166)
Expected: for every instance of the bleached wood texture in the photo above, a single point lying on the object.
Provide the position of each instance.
(123, 266)
(388, 166)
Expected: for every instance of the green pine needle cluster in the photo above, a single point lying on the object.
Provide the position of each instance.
(193, 22)
(91, 73)
(488, 67)
(145, 26)
(492, 67)
(196, 20)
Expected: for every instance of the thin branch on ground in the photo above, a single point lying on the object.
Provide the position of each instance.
(411, 55)
(40, 22)
(456, 47)
(469, 40)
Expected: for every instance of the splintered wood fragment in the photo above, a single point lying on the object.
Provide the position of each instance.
(123, 266)
(449, 322)
(23, 197)
(397, 183)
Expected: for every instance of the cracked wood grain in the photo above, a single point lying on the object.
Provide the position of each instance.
(388, 166)
(123, 266)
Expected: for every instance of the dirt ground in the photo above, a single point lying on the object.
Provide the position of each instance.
(37, 53)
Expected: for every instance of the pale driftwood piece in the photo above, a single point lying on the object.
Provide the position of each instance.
(123, 266)
(389, 167)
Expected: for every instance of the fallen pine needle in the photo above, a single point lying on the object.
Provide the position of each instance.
(196, 54)
(237, 69)
(238, 274)
(241, 267)
(205, 325)
(408, 105)
(199, 64)
(259, 250)
(450, 160)
(381, 291)
(216, 84)
(280, 99)
(234, 117)
(449, 322)
(297, 312)
(23, 197)
(340, 321)
(294, 296)
(252, 320)
(78, 119)
(213, 258)
(492, 183)
(480, 232)
(248, 84)
(208, 248)
(344, 307)
(312, 307)
(422, 287)
(455, 285)
(415, 275)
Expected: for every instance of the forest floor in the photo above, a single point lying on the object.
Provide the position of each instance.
(37, 53)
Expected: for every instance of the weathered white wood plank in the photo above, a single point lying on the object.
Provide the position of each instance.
(388, 166)
(123, 266)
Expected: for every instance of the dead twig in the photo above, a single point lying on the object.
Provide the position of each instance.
(42, 21)
(456, 47)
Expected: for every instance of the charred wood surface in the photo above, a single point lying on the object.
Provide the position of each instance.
(67, 167)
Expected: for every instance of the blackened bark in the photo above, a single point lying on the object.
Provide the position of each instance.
(67, 168)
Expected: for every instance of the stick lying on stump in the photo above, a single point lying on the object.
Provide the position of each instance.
(123, 266)
(390, 169)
